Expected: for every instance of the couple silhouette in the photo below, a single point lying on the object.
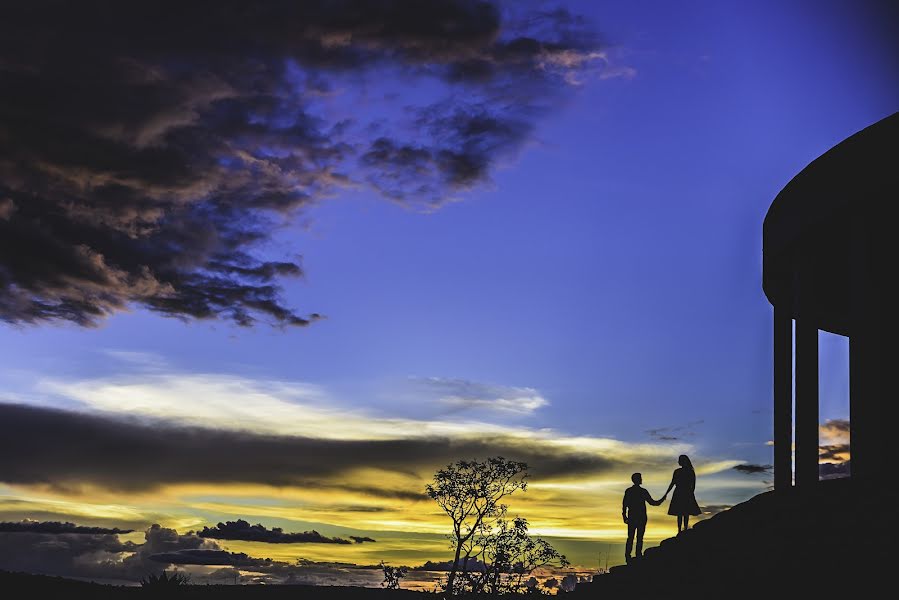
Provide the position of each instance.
(683, 504)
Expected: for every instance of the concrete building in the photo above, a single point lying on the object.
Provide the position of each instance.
(830, 263)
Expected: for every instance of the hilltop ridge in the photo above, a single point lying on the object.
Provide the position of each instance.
(838, 538)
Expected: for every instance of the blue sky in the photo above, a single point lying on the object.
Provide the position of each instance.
(611, 268)
(614, 265)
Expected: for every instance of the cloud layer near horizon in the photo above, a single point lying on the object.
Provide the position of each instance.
(105, 556)
(149, 150)
(56, 527)
(69, 463)
(242, 530)
(96, 555)
(188, 450)
(63, 449)
(191, 449)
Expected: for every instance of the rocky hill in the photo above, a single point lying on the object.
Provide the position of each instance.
(838, 539)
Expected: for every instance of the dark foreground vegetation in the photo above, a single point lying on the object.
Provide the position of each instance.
(22, 585)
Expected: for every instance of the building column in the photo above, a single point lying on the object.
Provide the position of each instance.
(858, 411)
(867, 449)
(806, 402)
(783, 398)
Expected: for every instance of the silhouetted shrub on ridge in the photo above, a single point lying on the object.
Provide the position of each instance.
(165, 581)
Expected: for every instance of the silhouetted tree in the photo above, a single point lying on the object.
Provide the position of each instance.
(392, 576)
(509, 555)
(470, 492)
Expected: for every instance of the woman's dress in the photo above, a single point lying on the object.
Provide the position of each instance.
(683, 500)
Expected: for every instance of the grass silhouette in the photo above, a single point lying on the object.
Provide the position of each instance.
(165, 581)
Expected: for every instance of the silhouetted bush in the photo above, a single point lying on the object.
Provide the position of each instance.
(165, 581)
(392, 576)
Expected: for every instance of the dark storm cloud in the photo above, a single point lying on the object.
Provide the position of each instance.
(150, 149)
(471, 138)
(752, 469)
(835, 438)
(105, 556)
(66, 450)
(835, 427)
(361, 539)
(358, 508)
(18, 509)
(94, 555)
(59, 554)
(242, 530)
(56, 527)
(159, 541)
(834, 452)
(208, 557)
(376, 492)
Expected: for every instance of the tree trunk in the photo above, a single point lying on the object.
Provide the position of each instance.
(450, 580)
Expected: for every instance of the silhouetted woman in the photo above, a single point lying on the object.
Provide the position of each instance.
(683, 502)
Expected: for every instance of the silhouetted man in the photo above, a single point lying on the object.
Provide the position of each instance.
(633, 511)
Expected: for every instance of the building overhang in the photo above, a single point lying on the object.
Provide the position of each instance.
(807, 230)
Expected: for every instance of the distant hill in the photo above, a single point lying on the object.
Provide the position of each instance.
(839, 540)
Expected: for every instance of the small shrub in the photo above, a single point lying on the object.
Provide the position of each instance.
(165, 581)
(392, 576)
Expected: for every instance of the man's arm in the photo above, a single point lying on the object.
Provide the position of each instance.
(624, 507)
(650, 500)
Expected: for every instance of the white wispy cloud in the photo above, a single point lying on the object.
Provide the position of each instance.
(464, 394)
(592, 464)
(232, 402)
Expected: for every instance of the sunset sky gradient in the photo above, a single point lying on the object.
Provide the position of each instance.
(587, 300)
